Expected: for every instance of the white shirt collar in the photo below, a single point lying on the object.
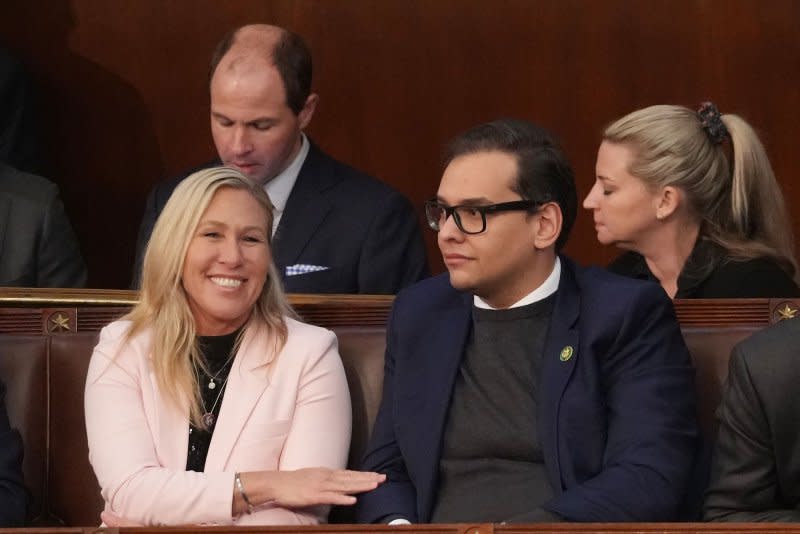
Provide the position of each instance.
(279, 188)
(548, 287)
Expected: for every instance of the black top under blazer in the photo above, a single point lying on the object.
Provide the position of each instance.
(710, 274)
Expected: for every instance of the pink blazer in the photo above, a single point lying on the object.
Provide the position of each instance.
(279, 412)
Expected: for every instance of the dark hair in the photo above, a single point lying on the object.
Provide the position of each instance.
(543, 172)
(290, 56)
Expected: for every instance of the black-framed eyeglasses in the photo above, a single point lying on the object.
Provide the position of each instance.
(471, 219)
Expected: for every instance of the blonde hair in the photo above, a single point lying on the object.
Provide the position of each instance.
(740, 208)
(163, 305)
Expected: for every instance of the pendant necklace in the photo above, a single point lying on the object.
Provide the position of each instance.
(209, 418)
(211, 383)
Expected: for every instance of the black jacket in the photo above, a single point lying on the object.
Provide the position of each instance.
(709, 274)
(363, 233)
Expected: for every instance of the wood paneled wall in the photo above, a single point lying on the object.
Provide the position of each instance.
(123, 100)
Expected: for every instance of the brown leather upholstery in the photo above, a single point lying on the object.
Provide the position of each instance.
(710, 348)
(362, 354)
(63, 487)
(45, 376)
(73, 494)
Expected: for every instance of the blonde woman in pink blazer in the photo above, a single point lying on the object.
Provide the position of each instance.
(209, 403)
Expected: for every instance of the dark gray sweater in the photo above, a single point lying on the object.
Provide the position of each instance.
(491, 467)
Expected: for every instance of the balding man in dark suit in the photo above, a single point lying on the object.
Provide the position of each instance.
(336, 229)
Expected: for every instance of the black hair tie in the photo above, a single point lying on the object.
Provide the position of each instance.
(711, 119)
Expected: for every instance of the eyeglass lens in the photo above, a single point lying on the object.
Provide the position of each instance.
(468, 219)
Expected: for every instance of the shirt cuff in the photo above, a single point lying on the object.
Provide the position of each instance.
(399, 521)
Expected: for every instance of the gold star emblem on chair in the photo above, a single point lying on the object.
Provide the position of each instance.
(785, 310)
(59, 322)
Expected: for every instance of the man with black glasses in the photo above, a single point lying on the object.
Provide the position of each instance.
(520, 387)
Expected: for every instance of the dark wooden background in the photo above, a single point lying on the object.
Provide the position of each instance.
(122, 98)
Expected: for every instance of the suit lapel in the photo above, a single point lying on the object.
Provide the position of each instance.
(305, 209)
(434, 374)
(558, 362)
(246, 384)
(172, 426)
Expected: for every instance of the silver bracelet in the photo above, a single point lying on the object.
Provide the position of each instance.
(239, 486)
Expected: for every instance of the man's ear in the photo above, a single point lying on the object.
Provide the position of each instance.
(548, 229)
(305, 115)
(668, 201)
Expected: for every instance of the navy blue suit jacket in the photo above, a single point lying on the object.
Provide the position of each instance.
(13, 496)
(364, 232)
(616, 418)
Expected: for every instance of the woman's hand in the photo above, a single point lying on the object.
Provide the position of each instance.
(318, 485)
(307, 487)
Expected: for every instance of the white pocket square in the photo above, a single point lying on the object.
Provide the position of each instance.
(304, 268)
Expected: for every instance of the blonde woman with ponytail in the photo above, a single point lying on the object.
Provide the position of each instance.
(692, 197)
(210, 403)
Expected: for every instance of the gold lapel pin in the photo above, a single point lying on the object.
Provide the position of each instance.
(566, 353)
